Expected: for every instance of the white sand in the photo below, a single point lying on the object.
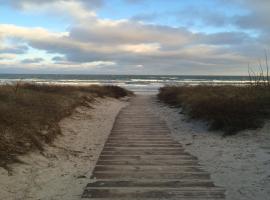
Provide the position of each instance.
(240, 163)
(65, 169)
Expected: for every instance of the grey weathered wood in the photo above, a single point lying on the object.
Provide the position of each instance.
(138, 168)
(151, 183)
(148, 162)
(148, 157)
(151, 175)
(160, 193)
(141, 160)
(143, 145)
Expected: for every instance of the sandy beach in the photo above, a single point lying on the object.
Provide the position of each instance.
(63, 169)
(239, 163)
(134, 100)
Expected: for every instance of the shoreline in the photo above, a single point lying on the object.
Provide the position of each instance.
(137, 83)
(65, 166)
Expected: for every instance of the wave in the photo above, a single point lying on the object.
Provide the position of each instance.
(134, 83)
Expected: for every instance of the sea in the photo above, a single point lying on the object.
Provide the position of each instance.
(148, 84)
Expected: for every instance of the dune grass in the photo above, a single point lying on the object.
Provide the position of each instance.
(227, 108)
(29, 114)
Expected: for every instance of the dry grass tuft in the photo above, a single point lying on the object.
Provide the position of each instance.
(227, 108)
(29, 114)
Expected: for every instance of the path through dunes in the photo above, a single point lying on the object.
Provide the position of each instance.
(140, 160)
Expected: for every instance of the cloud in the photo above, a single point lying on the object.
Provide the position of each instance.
(59, 58)
(23, 4)
(141, 48)
(13, 31)
(257, 15)
(203, 16)
(128, 32)
(226, 38)
(146, 16)
(101, 45)
(32, 60)
(7, 56)
(15, 49)
(74, 10)
(127, 44)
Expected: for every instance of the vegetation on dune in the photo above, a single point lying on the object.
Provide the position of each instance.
(228, 108)
(29, 114)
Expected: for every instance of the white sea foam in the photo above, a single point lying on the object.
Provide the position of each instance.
(135, 83)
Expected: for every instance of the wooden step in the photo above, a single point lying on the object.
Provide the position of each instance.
(157, 169)
(151, 175)
(151, 183)
(142, 148)
(145, 152)
(141, 161)
(160, 193)
(148, 157)
(142, 145)
(148, 162)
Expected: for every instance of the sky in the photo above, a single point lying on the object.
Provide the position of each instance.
(195, 37)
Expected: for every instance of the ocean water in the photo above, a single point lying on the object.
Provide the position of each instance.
(137, 83)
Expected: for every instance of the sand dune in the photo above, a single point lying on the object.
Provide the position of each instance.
(239, 163)
(65, 167)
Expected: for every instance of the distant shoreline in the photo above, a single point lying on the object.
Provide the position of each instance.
(146, 84)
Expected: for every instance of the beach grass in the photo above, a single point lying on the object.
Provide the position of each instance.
(29, 114)
(226, 108)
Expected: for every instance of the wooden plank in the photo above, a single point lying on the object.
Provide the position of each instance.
(156, 169)
(142, 148)
(145, 152)
(148, 162)
(148, 157)
(142, 142)
(141, 160)
(151, 183)
(153, 175)
(142, 145)
(134, 198)
(153, 193)
(124, 137)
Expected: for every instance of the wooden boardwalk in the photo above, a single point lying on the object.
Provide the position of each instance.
(140, 160)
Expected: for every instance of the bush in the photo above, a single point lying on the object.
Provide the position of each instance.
(227, 108)
(29, 114)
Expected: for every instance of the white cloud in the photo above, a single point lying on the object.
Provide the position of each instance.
(32, 60)
(96, 43)
(141, 48)
(10, 30)
(24, 4)
(7, 56)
